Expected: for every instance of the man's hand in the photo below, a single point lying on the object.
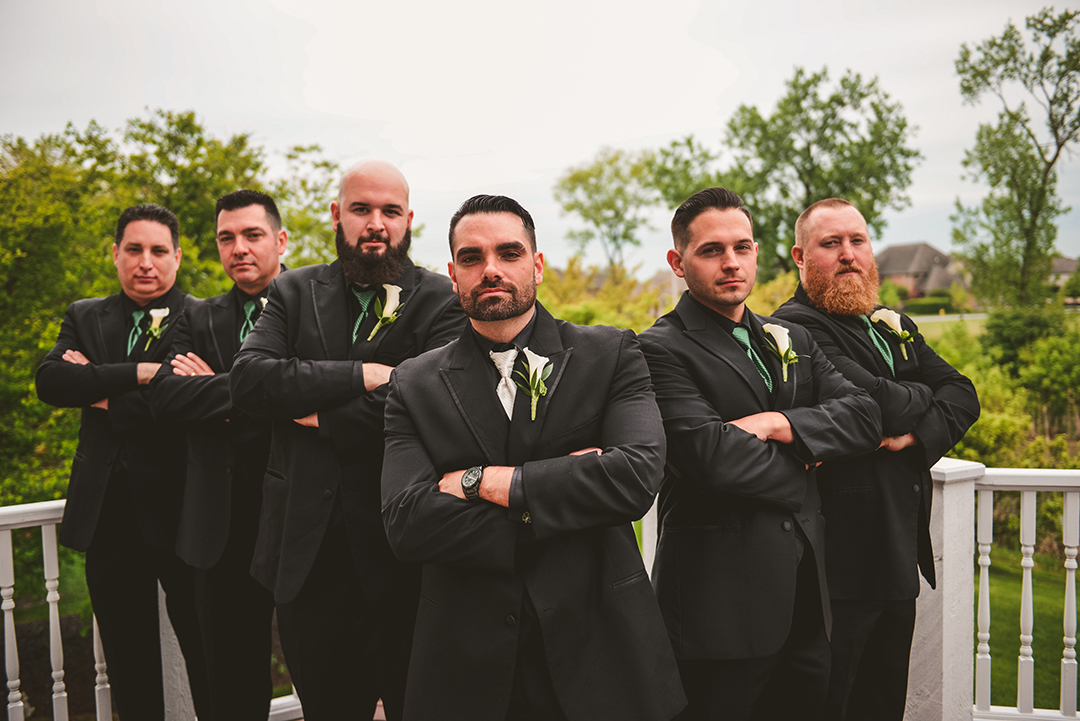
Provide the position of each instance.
(375, 375)
(767, 426)
(103, 404)
(311, 421)
(583, 451)
(74, 356)
(190, 364)
(146, 372)
(898, 443)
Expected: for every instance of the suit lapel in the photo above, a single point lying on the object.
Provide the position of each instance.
(110, 325)
(709, 336)
(525, 432)
(223, 331)
(783, 393)
(475, 398)
(331, 316)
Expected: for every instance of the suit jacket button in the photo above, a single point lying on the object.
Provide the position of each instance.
(916, 488)
(327, 493)
(786, 525)
(511, 621)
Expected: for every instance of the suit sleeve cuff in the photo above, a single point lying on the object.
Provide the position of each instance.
(516, 503)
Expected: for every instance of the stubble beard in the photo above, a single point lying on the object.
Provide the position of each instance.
(521, 298)
(848, 294)
(367, 268)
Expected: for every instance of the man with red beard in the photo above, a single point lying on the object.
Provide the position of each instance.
(876, 506)
(317, 364)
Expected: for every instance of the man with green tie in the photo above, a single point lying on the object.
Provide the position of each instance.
(227, 453)
(123, 499)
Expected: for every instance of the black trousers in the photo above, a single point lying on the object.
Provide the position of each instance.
(235, 614)
(532, 697)
(344, 652)
(122, 575)
(789, 684)
(871, 645)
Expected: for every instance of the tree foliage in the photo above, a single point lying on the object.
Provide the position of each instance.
(846, 139)
(1009, 237)
(610, 195)
(303, 198)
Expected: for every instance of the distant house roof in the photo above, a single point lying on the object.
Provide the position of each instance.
(927, 266)
(1064, 265)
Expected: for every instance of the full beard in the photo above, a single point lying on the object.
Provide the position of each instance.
(849, 294)
(520, 300)
(366, 268)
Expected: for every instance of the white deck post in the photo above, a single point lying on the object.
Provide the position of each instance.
(942, 666)
(56, 646)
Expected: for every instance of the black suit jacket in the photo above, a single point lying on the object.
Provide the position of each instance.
(126, 433)
(577, 558)
(727, 557)
(298, 360)
(224, 445)
(878, 505)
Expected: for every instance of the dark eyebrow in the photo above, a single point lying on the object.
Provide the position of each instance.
(389, 206)
(510, 245)
(465, 249)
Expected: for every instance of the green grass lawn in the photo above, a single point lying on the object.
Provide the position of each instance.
(932, 328)
(1048, 602)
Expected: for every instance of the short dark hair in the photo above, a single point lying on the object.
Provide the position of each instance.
(246, 198)
(493, 204)
(152, 212)
(698, 203)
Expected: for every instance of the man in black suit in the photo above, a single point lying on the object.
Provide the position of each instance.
(877, 506)
(750, 407)
(516, 489)
(317, 364)
(227, 454)
(127, 476)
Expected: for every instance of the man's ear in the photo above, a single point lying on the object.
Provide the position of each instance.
(450, 272)
(335, 213)
(797, 256)
(674, 259)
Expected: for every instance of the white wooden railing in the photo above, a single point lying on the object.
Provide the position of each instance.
(177, 698)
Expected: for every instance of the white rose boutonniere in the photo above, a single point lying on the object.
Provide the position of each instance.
(156, 329)
(782, 349)
(264, 301)
(891, 319)
(389, 313)
(539, 370)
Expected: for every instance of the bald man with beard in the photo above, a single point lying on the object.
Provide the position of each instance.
(317, 364)
(876, 506)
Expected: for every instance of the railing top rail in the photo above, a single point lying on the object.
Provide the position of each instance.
(1029, 479)
(27, 515)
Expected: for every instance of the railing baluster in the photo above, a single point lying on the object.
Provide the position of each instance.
(1025, 687)
(982, 657)
(11, 650)
(56, 644)
(102, 692)
(1070, 524)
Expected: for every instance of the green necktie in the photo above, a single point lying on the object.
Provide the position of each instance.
(743, 336)
(136, 330)
(364, 297)
(879, 343)
(248, 324)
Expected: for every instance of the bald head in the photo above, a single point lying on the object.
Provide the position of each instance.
(378, 171)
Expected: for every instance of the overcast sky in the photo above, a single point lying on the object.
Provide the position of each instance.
(501, 97)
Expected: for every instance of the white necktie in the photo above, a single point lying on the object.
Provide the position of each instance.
(504, 361)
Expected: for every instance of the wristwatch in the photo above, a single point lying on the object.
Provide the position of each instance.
(470, 482)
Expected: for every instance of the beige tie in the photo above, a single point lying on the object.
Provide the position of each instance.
(504, 361)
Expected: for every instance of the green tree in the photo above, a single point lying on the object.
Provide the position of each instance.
(611, 196)
(847, 140)
(303, 197)
(1009, 237)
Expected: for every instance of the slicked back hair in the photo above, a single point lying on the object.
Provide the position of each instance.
(804, 217)
(245, 198)
(152, 212)
(698, 203)
(493, 204)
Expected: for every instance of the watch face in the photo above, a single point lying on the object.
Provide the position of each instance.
(472, 477)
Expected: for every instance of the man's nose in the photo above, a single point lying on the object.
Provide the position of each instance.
(376, 221)
(847, 252)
